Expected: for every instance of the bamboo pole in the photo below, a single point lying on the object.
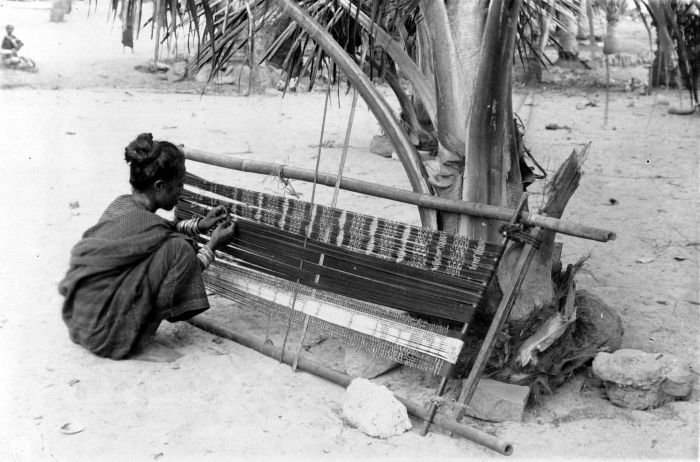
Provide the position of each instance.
(446, 423)
(427, 201)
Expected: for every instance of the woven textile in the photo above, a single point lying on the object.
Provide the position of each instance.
(376, 260)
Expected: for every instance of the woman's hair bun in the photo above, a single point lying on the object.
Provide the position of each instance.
(142, 150)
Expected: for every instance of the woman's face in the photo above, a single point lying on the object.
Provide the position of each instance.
(170, 193)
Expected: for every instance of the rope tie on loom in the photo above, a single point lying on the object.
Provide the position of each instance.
(516, 230)
(518, 233)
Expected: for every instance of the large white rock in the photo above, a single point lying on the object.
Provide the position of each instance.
(374, 410)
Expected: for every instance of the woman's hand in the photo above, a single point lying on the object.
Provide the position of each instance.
(215, 216)
(222, 235)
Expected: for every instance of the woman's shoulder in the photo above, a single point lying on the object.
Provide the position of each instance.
(126, 217)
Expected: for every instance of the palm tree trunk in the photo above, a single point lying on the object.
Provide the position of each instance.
(534, 75)
(452, 98)
(566, 36)
(58, 9)
(455, 44)
(467, 19)
(488, 153)
(582, 24)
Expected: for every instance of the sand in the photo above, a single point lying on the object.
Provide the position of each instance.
(63, 134)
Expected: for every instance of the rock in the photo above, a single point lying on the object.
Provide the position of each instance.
(639, 380)
(374, 410)
(361, 364)
(239, 75)
(177, 72)
(179, 68)
(223, 77)
(228, 76)
(381, 145)
(630, 368)
(632, 378)
(634, 397)
(203, 74)
(152, 68)
(498, 402)
(679, 379)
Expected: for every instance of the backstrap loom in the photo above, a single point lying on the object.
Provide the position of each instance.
(375, 275)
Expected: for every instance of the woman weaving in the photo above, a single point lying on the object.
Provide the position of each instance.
(134, 268)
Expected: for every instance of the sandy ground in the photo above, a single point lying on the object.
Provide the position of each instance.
(62, 140)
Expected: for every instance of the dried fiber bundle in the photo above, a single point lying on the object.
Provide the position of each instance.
(597, 327)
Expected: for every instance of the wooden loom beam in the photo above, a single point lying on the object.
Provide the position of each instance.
(446, 423)
(400, 195)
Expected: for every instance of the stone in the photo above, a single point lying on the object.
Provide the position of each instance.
(179, 68)
(381, 145)
(640, 380)
(374, 410)
(679, 379)
(238, 74)
(629, 368)
(360, 364)
(498, 401)
(152, 67)
(222, 77)
(203, 74)
(634, 397)
(177, 72)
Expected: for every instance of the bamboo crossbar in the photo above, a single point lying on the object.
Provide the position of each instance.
(408, 197)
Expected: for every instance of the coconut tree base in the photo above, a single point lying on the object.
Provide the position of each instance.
(538, 289)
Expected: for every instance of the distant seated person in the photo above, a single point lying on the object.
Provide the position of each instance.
(134, 269)
(10, 48)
